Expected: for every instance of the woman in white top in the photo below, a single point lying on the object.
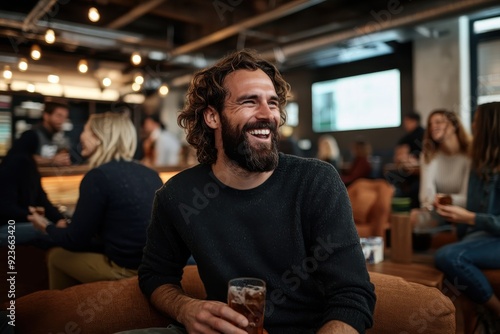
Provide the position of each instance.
(444, 163)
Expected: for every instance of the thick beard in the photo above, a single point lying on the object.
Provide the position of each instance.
(237, 147)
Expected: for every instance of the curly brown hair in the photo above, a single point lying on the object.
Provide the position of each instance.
(431, 147)
(486, 143)
(207, 90)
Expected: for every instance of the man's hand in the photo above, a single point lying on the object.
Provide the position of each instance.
(207, 317)
(455, 214)
(198, 316)
(61, 159)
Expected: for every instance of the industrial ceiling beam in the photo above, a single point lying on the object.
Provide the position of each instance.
(134, 14)
(282, 11)
(41, 8)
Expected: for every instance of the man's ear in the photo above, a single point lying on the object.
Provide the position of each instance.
(211, 117)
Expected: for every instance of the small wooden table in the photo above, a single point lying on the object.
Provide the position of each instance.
(412, 272)
(400, 259)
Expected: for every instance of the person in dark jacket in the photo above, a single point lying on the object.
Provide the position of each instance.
(108, 230)
(22, 188)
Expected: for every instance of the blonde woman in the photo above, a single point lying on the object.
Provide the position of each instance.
(108, 229)
(328, 150)
(444, 162)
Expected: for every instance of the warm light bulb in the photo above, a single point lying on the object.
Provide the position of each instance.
(136, 58)
(136, 87)
(94, 15)
(30, 88)
(83, 66)
(163, 90)
(106, 82)
(50, 36)
(139, 79)
(23, 64)
(52, 78)
(7, 73)
(36, 52)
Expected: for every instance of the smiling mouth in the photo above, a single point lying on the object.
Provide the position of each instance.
(260, 133)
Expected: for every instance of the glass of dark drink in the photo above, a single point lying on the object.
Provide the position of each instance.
(247, 296)
(444, 199)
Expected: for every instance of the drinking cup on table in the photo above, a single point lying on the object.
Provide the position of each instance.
(247, 295)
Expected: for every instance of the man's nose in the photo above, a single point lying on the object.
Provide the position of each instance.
(264, 111)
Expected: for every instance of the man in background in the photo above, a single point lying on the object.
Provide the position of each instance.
(406, 158)
(409, 146)
(161, 148)
(52, 147)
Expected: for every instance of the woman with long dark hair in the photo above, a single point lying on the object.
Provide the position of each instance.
(478, 224)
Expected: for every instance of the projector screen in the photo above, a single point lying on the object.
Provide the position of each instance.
(367, 101)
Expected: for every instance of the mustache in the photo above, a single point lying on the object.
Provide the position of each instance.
(260, 125)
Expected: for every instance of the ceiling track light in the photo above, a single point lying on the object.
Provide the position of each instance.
(94, 15)
(83, 66)
(136, 58)
(50, 36)
(23, 65)
(36, 52)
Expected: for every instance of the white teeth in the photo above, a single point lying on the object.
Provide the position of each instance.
(263, 132)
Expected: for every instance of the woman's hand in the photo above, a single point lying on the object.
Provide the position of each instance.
(455, 214)
(62, 223)
(38, 221)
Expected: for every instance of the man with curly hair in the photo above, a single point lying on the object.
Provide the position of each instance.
(249, 211)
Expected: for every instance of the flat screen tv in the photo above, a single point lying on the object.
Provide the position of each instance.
(366, 101)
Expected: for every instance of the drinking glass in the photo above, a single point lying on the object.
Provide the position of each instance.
(247, 295)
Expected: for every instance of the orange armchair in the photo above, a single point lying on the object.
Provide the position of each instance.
(371, 206)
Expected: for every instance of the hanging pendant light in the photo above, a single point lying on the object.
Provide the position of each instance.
(23, 65)
(7, 73)
(50, 36)
(136, 58)
(36, 52)
(94, 15)
(83, 66)
(163, 90)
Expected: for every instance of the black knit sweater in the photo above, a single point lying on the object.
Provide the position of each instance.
(112, 213)
(295, 231)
